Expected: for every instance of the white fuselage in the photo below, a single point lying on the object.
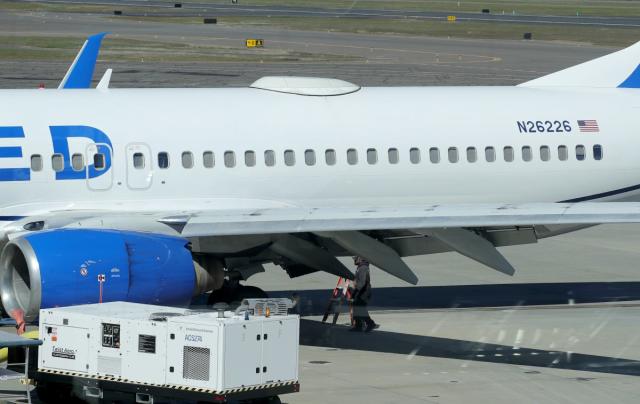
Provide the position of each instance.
(371, 121)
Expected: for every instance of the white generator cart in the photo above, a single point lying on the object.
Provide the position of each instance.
(143, 353)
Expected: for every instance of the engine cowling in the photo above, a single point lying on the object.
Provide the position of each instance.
(66, 267)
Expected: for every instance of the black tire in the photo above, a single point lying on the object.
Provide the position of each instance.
(267, 400)
(55, 393)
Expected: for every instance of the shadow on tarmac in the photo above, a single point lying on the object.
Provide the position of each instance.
(314, 302)
(314, 333)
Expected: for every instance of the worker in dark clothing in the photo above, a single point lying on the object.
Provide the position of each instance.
(361, 294)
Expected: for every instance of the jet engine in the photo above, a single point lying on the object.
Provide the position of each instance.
(68, 267)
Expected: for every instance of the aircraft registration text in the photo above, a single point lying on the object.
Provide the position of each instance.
(544, 126)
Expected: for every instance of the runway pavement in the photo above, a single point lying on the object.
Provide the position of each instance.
(197, 8)
(384, 59)
(534, 355)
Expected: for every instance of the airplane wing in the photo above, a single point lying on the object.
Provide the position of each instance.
(332, 219)
(458, 227)
(278, 220)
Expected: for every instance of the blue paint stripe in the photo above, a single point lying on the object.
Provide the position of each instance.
(11, 131)
(11, 218)
(633, 81)
(604, 194)
(13, 151)
(15, 174)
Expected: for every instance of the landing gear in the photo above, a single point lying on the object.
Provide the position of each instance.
(233, 291)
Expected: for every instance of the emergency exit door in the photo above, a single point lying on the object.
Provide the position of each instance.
(139, 170)
(99, 170)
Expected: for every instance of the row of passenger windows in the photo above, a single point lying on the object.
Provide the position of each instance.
(371, 156)
(330, 157)
(77, 162)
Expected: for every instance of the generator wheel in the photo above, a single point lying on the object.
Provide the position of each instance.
(267, 400)
(55, 393)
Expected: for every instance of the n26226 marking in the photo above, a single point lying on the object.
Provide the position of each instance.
(555, 126)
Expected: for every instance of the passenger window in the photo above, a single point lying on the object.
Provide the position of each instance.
(453, 154)
(563, 153)
(414, 155)
(36, 162)
(208, 159)
(580, 152)
(545, 153)
(472, 155)
(77, 162)
(330, 157)
(434, 155)
(352, 156)
(250, 158)
(289, 157)
(508, 154)
(490, 154)
(394, 156)
(269, 158)
(163, 160)
(229, 159)
(99, 161)
(57, 162)
(187, 159)
(526, 153)
(138, 161)
(310, 157)
(597, 152)
(372, 156)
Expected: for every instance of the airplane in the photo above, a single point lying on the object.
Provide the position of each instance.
(160, 195)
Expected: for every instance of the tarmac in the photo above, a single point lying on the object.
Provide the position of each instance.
(186, 9)
(563, 329)
(383, 60)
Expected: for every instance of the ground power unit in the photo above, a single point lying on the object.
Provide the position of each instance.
(216, 353)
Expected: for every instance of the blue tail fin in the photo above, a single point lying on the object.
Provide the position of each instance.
(80, 73)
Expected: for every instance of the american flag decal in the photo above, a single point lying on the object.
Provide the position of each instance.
(588, 125)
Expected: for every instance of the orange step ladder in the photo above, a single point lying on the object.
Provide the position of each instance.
(340, 294)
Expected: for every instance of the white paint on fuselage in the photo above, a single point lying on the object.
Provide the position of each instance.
(241, 119)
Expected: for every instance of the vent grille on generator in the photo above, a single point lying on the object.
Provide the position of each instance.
(109, 366)
(195, 363)
(276, 308)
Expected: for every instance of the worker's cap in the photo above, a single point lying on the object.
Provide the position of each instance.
(359, 260)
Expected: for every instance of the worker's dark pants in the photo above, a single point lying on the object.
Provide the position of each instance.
(361, 314)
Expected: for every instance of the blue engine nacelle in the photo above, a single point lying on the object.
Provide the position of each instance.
(77, 266)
